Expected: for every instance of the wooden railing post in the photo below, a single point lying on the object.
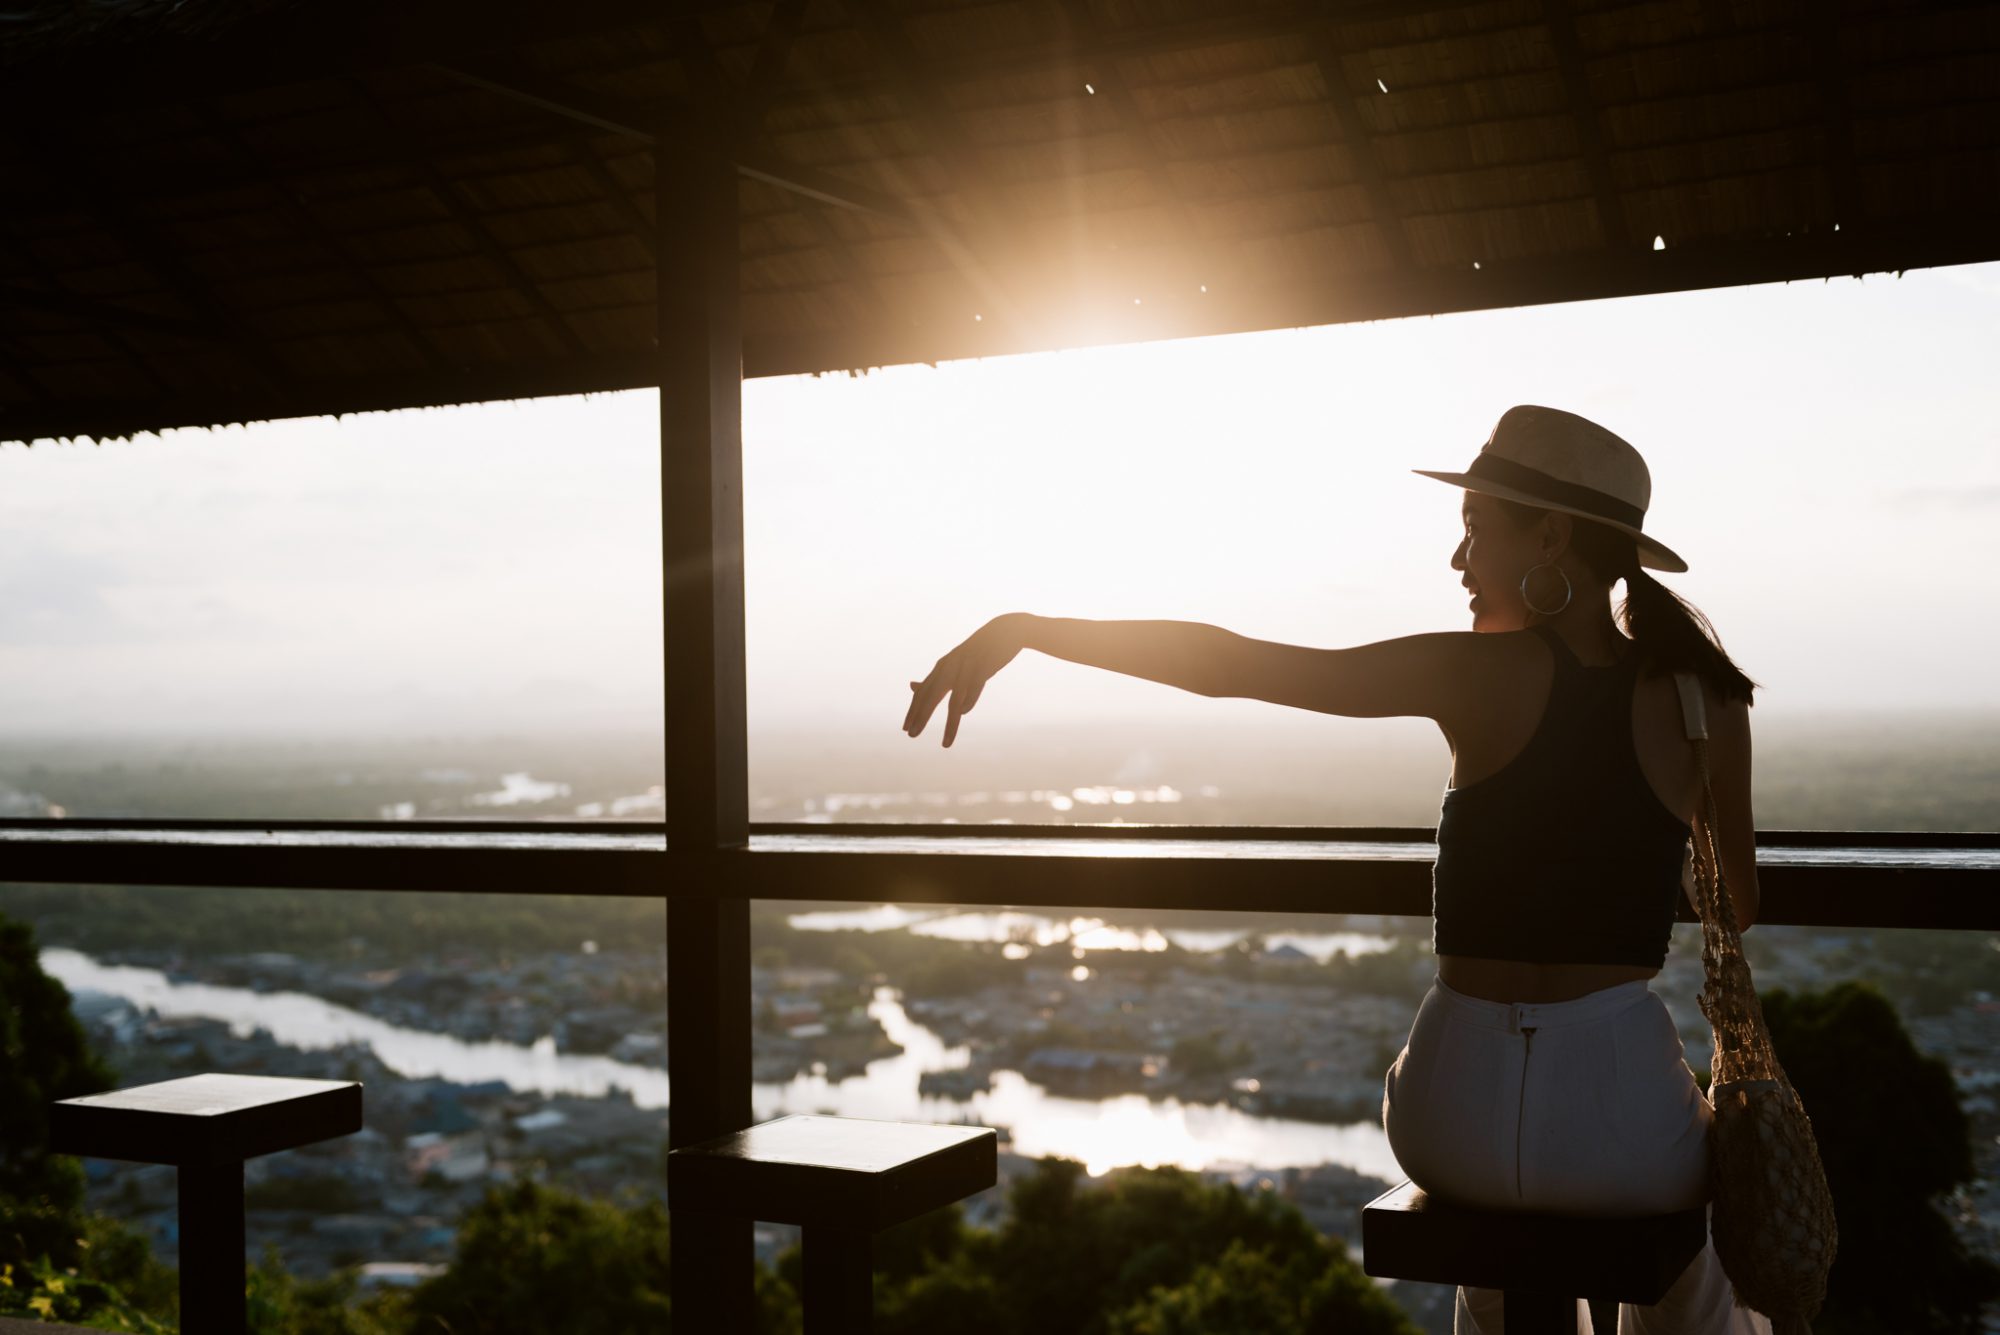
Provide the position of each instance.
(701, 484)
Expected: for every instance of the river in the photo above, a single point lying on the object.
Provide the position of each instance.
(1018, 928)
(1101, 1133)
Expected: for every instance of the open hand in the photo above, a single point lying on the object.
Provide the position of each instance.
(962, 674)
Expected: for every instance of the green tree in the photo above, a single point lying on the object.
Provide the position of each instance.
(40, 1291)
(535, 1257)
(1071, 1257)
(532, 1256)
(279, 1303)
(56, 1259)
(1246, 1292)
(1199, 1056)
(44, 1056)
(1892, 1137)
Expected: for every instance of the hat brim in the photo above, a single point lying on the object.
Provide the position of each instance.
(1653, 554)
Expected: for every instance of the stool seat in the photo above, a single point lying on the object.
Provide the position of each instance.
(833, 1172)
(215, 1118)
(1406, 1234)
(206, 1126)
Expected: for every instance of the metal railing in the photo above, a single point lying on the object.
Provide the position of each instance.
(1807, 878)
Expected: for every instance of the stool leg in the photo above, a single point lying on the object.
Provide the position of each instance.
(1538, 1314)
(213, 1271)
(840, 1281)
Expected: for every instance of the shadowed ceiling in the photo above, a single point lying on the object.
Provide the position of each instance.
(221, 211)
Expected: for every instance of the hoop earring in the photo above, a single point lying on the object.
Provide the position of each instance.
(1569, 591)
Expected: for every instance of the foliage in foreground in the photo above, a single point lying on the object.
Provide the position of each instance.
(1893, 1139)
(1146, 1252)
(1149, 1251)
(44, 1056)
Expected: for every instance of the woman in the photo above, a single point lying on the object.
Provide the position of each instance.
(1541, 1071)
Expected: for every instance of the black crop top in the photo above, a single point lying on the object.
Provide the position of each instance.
(1565, 854)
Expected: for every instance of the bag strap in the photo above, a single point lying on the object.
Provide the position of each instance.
(1694, 709)
(1694, 719)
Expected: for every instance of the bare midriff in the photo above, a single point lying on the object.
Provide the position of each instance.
(1519, 980)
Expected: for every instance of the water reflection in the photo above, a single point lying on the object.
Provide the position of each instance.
(1103, 1133)
(1083, 933)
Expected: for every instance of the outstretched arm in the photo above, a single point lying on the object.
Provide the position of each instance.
(1423, 675)
(1187, 654)
(1176, 653)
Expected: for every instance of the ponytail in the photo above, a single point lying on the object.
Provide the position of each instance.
(1675, 636)
(1669, 630)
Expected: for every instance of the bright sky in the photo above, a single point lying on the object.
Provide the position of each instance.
(1823, 454)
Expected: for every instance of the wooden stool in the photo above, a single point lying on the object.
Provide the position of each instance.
(206, 1126)
(1542, 1262)
(842, 1180)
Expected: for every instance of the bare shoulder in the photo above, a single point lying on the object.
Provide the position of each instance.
(1484, 675)
(1469, 665)
(1728, 722)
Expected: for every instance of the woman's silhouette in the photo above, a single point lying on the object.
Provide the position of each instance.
(1541, 1071)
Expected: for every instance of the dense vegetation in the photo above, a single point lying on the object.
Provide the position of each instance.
(1894, 1142)
(56, 1261)
(1144, 1252)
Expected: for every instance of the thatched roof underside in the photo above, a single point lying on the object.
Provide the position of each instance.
(225, 211)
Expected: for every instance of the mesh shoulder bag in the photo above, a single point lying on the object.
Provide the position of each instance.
(1772, 1217)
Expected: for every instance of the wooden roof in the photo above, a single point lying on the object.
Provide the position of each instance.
(219, 210)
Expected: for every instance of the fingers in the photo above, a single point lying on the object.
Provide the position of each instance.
(956, 707)
(923, 702)
(954, 678)
(928, 693)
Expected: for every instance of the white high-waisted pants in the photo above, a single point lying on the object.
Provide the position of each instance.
(1594, 1112)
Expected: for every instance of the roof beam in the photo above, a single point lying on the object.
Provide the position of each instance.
(989, 247)
(768, 69)
(637, 223)
(181, 182)
(297, 44)
(56, 156)
(745, 127)
(448, 194)
(361, 278)
(1863, 248)
(11, 365)
(103, 319)
(1225, 25)
(1611, 216)
(77, 307)
(368, 153)
(1829, 65)
(1217, 264)
(1329, 58)
(755, 157)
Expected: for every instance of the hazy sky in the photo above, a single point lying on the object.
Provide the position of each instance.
(1824, 455)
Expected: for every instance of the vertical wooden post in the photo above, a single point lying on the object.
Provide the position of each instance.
(840, 1280)
(213, 1269)
(701, 484)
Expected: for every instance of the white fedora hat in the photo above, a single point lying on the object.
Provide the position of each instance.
(1555, 460)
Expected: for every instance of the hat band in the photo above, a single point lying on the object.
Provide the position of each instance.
(1493, 468)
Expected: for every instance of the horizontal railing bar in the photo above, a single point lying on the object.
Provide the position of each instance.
(526, 864)
(1946, 882)
(624, 830)
(360, 827)
(1954, 890)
